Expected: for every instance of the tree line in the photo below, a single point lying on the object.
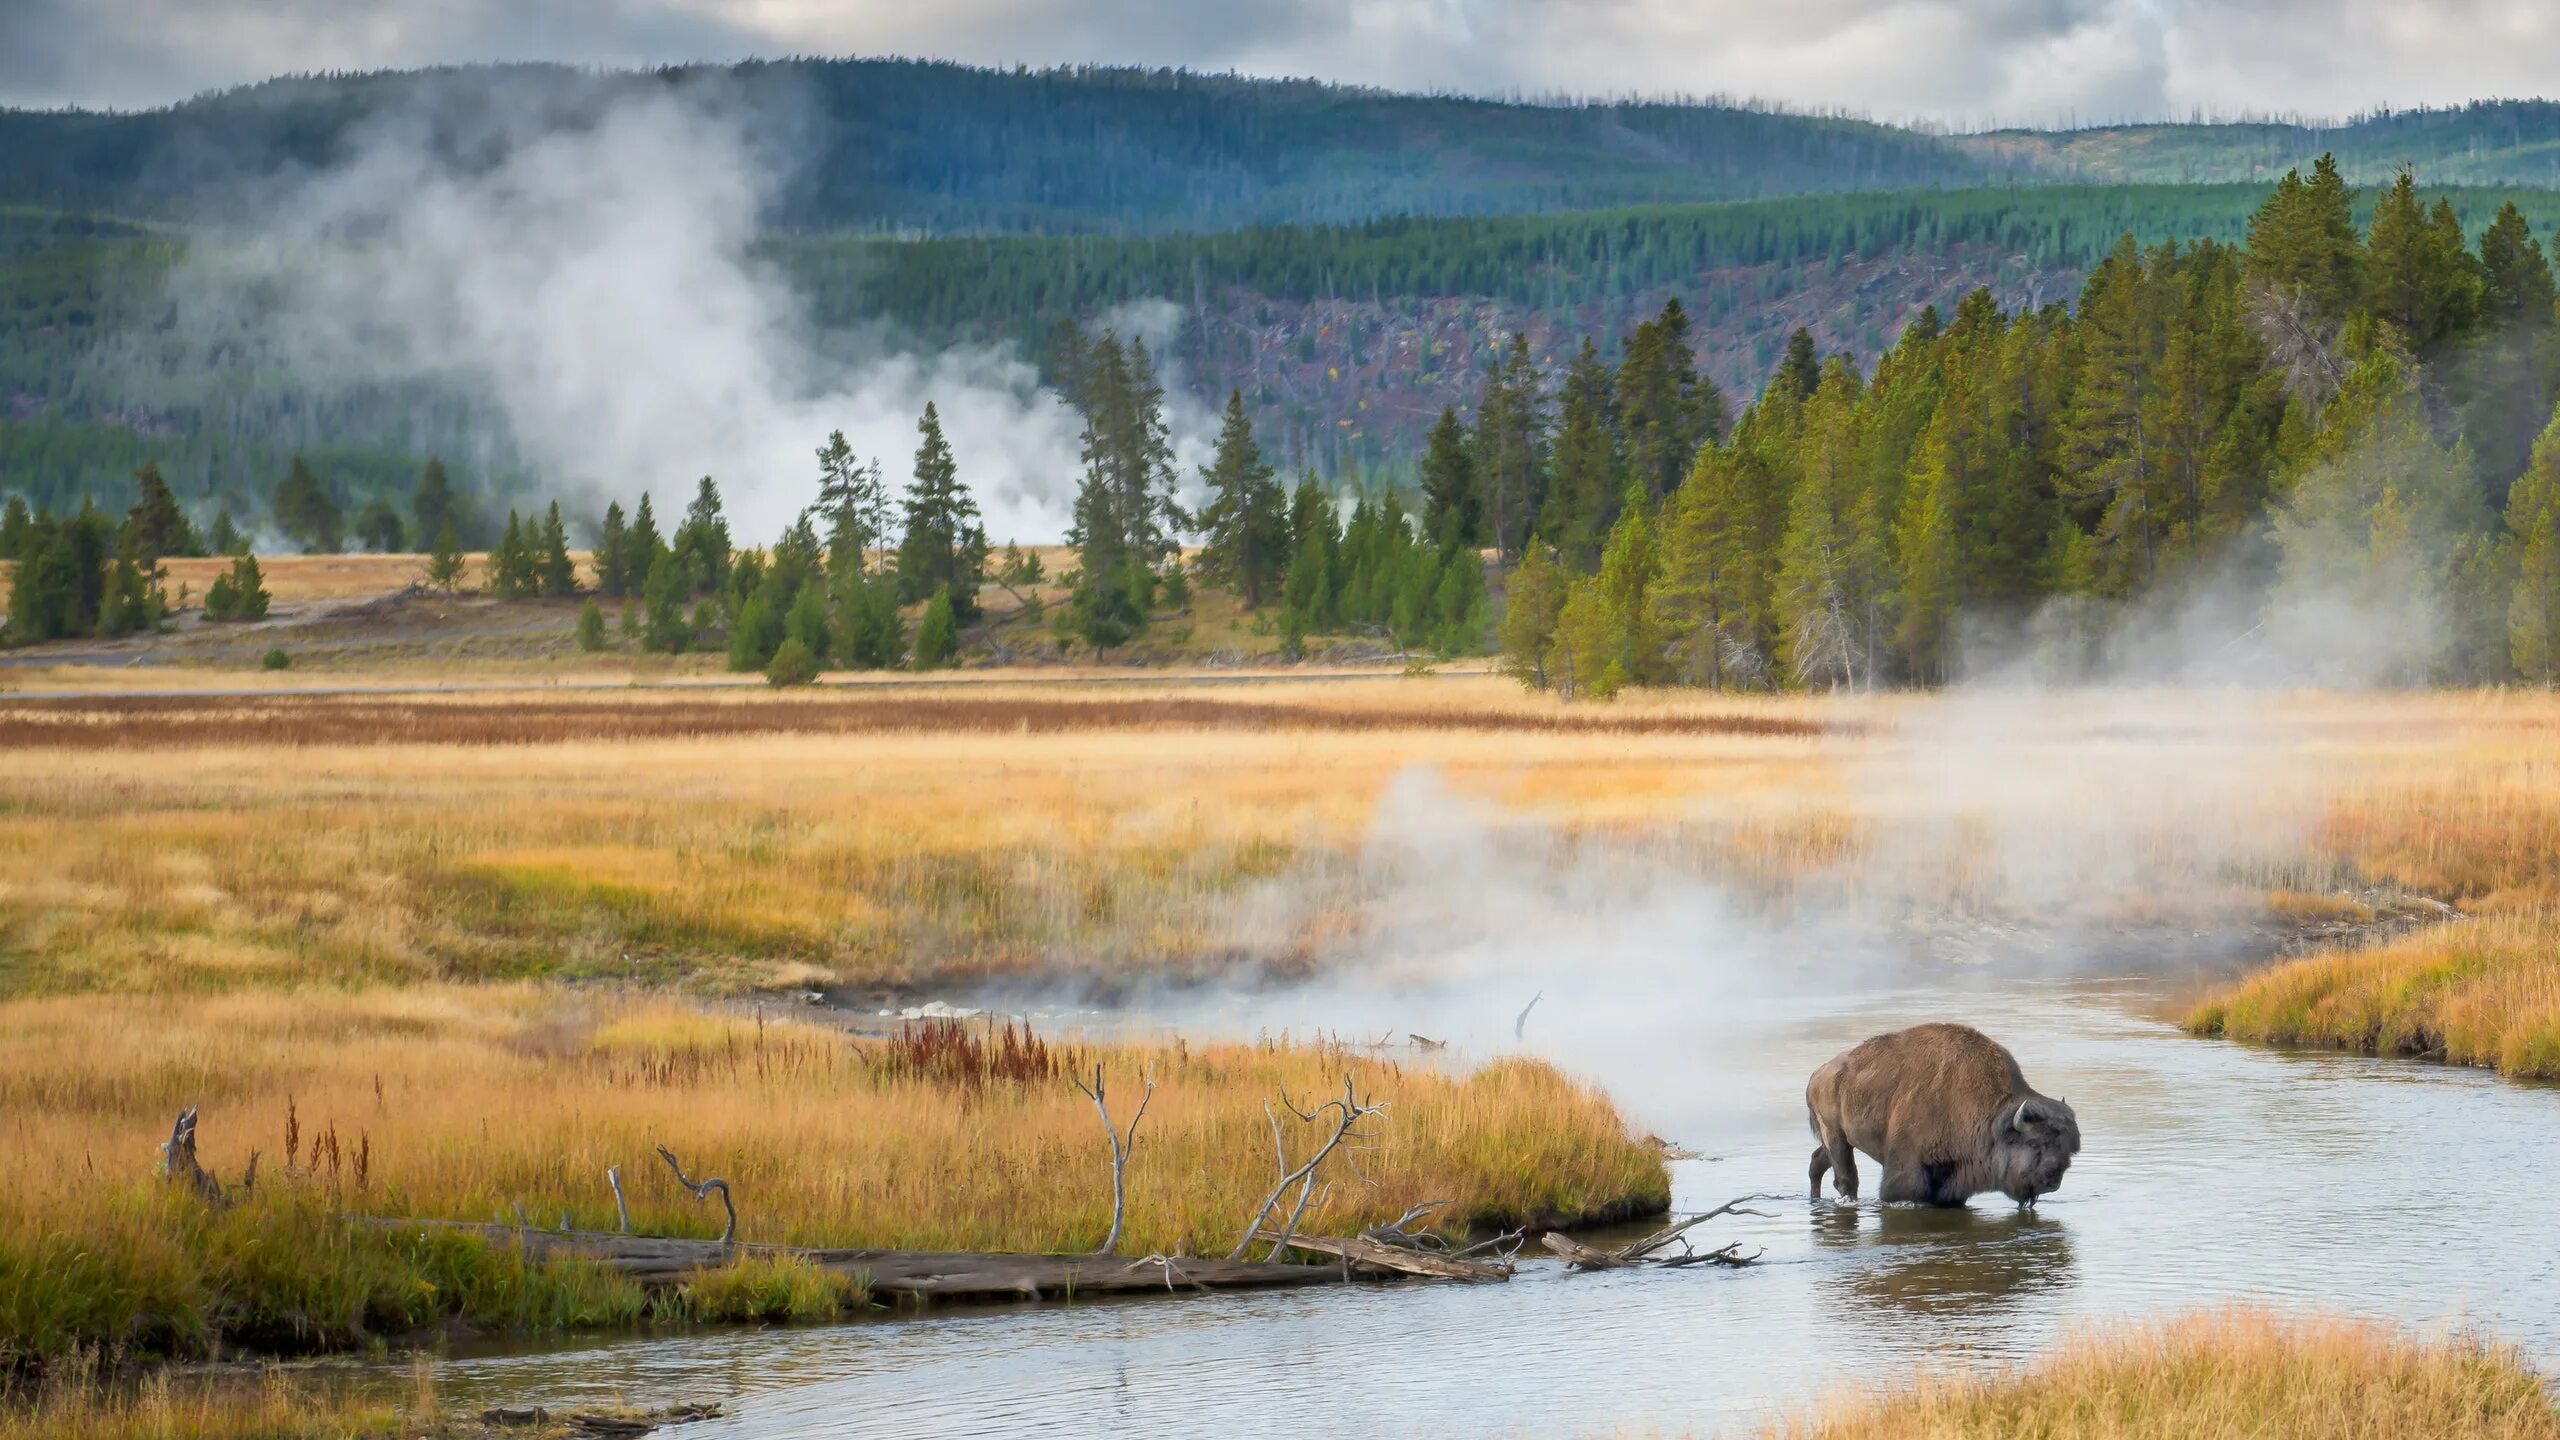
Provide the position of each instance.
(2327, 413)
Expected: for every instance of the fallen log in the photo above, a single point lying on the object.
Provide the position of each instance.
(657, 1261)
(1361, 1250)
(1584, 1257)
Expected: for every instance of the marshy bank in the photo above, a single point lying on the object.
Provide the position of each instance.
(524, 1104)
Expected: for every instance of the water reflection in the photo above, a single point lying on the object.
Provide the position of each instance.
(1936, 1263)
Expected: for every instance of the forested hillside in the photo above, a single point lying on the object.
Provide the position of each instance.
(895, 145)
(1345, 341)
(2489, 142)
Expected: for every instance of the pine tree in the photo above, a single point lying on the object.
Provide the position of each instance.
(590, 626)
(856, 504)
(1124, 508)
(240, 594)
(702, 542)
(16, 523)
(1510, 460)
(378, 527)
(755, 634)
(1532, 605)
(432, 504)
(1800, 369)
(1584, 494)
(937, 633)
(2303, 246)
(1823, 579)
(944, 550)
(1450, 514)
(2419, 274)
(806, 623)
(642, 548)
(306, 513)
(2516, 284)
(554, 571)
(444, 560)
(155, 528)
(611, 562)
(666, 590)
(1666, 409)
(1246, 521)
(511, 563)
(225, 537)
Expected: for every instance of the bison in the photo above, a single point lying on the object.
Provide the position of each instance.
(1944, 1110)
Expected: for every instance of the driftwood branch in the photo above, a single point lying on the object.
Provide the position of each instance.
(702, 1189)
(1121, 1144)
(1638, 1252)
(1347, 1113)
(1377, 1254)
(621, 1212)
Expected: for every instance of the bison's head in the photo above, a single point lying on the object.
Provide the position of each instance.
(2032, 1143)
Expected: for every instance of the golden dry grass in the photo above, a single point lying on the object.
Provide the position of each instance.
(2222, 1375)
(487, 1102)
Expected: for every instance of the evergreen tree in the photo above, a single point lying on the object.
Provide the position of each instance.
(155, 527)
(642, 548)
(512, 568)
(793, 663)
(1450, 513)
(444, 560)
(1510, 460)
(1531, 608)
(1246, 521)
(2516, 284)
(1823, 580)
(2419, 274)
(1124, 510)
(856, 504)
(1666, 409)
(240, 594)
(1800, 369)
(756, 633)
(225, 538)
(944, 550)
(16, 523)
(866, 631)
(378, 527)
(590, 626)
(432, 504)
(702, 542)
(612, 562)
(554, 572)
(2302, 243)
(1583, 496)
(806, 623)
(307, 513)
(937, 633)
(668, 587)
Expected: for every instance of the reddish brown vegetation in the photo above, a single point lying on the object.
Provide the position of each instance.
(161, 721)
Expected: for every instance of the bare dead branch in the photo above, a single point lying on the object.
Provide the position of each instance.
(1520, 1027)
(621, 1212)
(1639, 1249)
(1121, 1144)
(702, 1189)
(1346, 1113)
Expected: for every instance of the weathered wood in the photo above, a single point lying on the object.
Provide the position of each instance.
(1637, 1250)
(662, 1261)
(1361, 1250)
(1584, 1257)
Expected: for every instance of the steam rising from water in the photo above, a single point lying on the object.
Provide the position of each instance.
(593, 288)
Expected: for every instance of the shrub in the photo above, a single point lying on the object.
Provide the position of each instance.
(792, 664)
(275, 659)
(591, 626)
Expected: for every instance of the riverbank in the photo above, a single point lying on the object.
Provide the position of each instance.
(2217, 1375)
(529, 1103)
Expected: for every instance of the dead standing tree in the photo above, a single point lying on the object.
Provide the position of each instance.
(1346, 1113)
(1121, 1144)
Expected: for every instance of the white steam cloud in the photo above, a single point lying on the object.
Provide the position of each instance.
(594, 289)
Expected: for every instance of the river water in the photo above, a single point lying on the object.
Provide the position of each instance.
(2211, 1172)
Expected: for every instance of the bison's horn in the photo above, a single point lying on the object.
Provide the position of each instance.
(2018, 1121)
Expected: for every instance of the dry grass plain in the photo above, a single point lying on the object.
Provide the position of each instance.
(496, 942)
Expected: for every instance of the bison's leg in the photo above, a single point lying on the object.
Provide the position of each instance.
(1814, 1171)
(1905, 1184)
(1843, 1158)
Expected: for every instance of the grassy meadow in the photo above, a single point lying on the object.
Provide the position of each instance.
(458, 956)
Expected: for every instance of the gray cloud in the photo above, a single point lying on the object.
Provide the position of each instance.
(1953, 61)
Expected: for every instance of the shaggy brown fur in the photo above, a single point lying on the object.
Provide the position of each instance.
(1944, 1110)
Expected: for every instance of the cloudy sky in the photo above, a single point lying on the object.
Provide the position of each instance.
(1961, 62)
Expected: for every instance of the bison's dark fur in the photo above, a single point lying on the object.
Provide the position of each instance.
(1944, 1110)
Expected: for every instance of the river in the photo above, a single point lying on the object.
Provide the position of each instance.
(2211, 1172)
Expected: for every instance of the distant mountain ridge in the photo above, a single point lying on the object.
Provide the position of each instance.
(912, 146)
